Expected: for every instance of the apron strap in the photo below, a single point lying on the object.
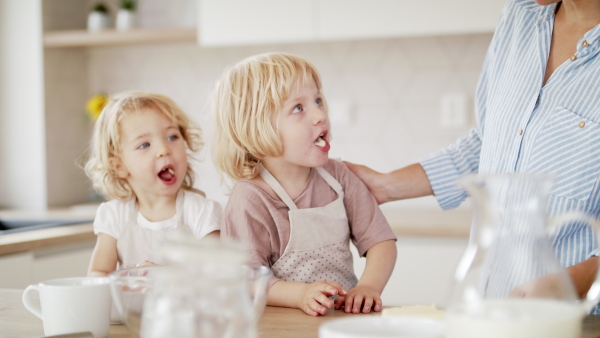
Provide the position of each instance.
(333, 183)
(274, 184)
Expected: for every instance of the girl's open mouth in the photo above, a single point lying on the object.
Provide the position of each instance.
(321, 142)
(167, 175)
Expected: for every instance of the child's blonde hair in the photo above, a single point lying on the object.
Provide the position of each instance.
(244, 103)
(105, 144)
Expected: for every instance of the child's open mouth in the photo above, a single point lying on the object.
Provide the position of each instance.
(322, 143)
(167, 175)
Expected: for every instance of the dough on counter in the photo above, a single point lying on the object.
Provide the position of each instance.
(423, 311)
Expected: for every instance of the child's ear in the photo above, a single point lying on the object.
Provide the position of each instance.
(119, 168)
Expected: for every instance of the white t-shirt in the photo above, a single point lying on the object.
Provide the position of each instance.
(137, 238)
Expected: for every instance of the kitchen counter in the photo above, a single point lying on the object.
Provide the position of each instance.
(57, 236)
(276, 322)
(405, 223)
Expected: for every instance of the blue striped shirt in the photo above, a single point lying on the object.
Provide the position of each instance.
(525, 126)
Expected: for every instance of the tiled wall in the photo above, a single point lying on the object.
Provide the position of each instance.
(393, 88)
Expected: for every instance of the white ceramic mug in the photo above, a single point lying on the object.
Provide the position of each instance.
(71, 305)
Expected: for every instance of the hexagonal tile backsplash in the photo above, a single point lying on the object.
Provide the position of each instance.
(388, 91)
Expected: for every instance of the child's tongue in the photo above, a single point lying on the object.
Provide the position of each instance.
(320, 142)
(167, 174)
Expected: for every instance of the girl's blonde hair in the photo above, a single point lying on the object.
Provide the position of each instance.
(245, 100)
(105, 144)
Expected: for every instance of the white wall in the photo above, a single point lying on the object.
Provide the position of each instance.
(22, 131)
(387, 93)
(393, 88)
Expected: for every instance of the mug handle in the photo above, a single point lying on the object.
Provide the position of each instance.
(593, 295)
(28, 302)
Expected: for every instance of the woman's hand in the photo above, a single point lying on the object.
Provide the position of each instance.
(372, 179)
(362, 297)
(314, 297)
(549, 286)
(408, 182)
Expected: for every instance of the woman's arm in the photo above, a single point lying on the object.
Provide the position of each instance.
(408, 182)
(104, 258)
(583, 275)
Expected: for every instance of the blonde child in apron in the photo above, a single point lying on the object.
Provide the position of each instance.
(294, 208)
(139, 159)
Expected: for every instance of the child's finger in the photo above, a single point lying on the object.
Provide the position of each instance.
(318, 308)
(348, 303)
(338, 289)
(324, 300)
(378, 305)
(309, 311)
(339, 302)
(367, 304)
(357, 304)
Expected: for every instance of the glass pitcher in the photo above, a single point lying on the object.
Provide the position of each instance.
(202, 292)
(509, 282)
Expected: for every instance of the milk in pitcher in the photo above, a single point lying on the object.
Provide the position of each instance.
(515, 318)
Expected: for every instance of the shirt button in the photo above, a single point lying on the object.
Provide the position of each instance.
(520, 131)
(574, 57)
(581, 124)
(584, 43)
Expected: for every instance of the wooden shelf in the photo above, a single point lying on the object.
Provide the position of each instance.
(83, 38)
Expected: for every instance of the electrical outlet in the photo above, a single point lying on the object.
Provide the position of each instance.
(454, 108)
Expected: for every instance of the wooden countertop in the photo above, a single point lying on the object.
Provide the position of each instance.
(276, 322)
(404, 222)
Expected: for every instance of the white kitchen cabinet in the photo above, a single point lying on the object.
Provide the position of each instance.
(235, 22)
(359, 19)
(22, 269)
(424, 270)
(245, 22)
(17, 270)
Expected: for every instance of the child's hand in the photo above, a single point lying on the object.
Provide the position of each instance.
(314, 298)
(362, 296)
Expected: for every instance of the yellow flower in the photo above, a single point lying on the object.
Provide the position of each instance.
(95, 105)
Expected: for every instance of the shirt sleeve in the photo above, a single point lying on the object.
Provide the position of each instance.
(444, 167)
(248, 220)
(205, 215)
(106, 220)
(368, 225)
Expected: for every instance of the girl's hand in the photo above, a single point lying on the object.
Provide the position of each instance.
(314, 298)
(361, 297)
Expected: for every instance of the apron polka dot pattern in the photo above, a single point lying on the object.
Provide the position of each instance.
(324, 264)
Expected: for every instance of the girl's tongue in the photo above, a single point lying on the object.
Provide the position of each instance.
(167, 174)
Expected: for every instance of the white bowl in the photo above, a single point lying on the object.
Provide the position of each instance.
(374, 326)
(129, 288)
(258, 279)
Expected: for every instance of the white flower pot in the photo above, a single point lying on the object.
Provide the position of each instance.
(125, 20)
(97, 21)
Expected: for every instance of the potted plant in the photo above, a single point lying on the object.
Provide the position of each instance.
(98, 18)
(126, 15)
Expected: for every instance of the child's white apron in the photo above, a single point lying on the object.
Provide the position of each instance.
(318, 249)
(137, 244)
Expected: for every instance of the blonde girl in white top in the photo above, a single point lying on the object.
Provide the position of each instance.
(139, 159)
